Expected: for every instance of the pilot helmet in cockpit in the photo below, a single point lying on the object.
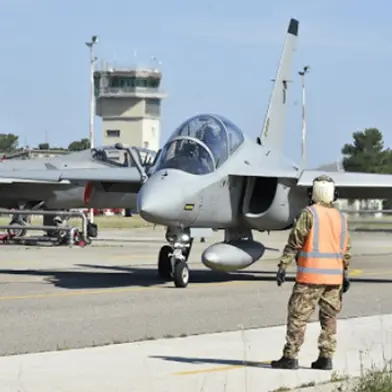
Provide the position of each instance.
(212, 141)
(188, 150)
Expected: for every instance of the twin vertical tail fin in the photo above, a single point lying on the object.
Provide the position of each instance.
(273, 130)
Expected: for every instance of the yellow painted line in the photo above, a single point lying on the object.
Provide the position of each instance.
(210, 370)
(74, 293)
(113, 291)
(355, 272)
(381, 272)
(219, 369)
(195, 286)
(153, 258)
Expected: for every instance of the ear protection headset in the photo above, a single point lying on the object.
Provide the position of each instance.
(335, 194)
(310, 192)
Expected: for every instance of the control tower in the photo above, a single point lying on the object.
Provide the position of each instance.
(129, 103)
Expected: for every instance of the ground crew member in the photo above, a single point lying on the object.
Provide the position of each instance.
(320, 244)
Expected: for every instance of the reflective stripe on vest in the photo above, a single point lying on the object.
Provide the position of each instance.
(313, 265)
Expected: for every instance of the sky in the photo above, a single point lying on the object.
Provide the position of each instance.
(216, 56)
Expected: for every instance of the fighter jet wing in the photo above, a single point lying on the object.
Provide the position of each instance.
(30, 181)
(31, 176)
(352, 185)
(112, 175)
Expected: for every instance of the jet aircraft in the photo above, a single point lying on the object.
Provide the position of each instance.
(211, 175)
(72, 181)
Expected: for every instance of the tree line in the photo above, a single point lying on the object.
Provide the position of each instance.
(9, 143)
(368, 154)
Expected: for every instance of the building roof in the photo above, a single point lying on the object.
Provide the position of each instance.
(331, 167)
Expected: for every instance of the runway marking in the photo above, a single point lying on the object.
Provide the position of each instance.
(134, 257)
(356, 272)
(381, 272)
(113, 290)
(209, 370)
(220, 368)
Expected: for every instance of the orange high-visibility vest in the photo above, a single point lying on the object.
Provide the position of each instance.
(320, 261)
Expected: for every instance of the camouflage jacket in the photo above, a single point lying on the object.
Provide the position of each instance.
(298, 236)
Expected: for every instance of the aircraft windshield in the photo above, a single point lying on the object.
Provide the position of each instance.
(187, 155)
(200, 145)
(121, 158)
(112, 156)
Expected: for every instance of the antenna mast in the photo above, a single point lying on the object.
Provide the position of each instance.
(302, 73)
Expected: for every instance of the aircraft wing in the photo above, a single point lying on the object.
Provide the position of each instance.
(31, 177)
(352, 185)
(68, 176)
(112, 175)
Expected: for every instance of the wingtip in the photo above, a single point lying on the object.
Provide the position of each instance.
(293, 27)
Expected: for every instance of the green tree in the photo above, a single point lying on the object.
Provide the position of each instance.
(8, 142)
(43, 146)
(82, 144)
(367, 154)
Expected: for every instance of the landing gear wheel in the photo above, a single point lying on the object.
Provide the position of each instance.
(17, 232)
(164, 263)
(181, 274)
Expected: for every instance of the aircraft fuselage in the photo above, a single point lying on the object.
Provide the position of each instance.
(68, 196)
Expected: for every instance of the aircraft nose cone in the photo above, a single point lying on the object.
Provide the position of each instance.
(153, 207)
(161, 200)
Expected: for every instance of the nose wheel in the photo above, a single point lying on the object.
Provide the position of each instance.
(181, 274)
(171, 266)
(164, 263)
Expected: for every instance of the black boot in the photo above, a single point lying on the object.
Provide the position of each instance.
(322, 363)
(285, 363)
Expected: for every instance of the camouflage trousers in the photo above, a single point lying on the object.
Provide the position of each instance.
(302, 304)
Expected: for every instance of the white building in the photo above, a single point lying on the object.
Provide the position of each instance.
(129, 103)
(358, 204)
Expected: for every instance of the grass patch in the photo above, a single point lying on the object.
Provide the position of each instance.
(136, 222)
(372, 380)
(103, 222)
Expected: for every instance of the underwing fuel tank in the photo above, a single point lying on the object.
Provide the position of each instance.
(232, 256)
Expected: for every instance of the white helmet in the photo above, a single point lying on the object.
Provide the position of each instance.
(323, 190)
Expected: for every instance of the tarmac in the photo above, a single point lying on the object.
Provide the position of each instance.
(56, 300)
(230, 362)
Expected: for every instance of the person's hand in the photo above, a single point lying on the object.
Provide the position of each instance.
(346, 282)
(280, 276)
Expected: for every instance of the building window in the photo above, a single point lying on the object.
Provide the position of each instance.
(113, 133)
(145, 144)
(153, 107)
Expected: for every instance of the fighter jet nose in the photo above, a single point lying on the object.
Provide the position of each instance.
(149, 206)
(161, 199)
(158, 200)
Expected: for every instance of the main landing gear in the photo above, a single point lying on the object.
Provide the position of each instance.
(172, 261)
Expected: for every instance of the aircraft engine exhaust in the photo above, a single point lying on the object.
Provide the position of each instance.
(232, 256)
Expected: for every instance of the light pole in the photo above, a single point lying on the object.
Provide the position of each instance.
(302, 73)
(90, 45)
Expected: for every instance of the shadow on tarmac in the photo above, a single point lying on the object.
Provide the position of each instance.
(119, 276)
(124, 276)
(216, 361)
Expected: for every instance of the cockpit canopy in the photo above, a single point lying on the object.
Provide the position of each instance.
(121, 158)
(200, 145)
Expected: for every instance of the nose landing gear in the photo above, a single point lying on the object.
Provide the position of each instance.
(172, 261)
